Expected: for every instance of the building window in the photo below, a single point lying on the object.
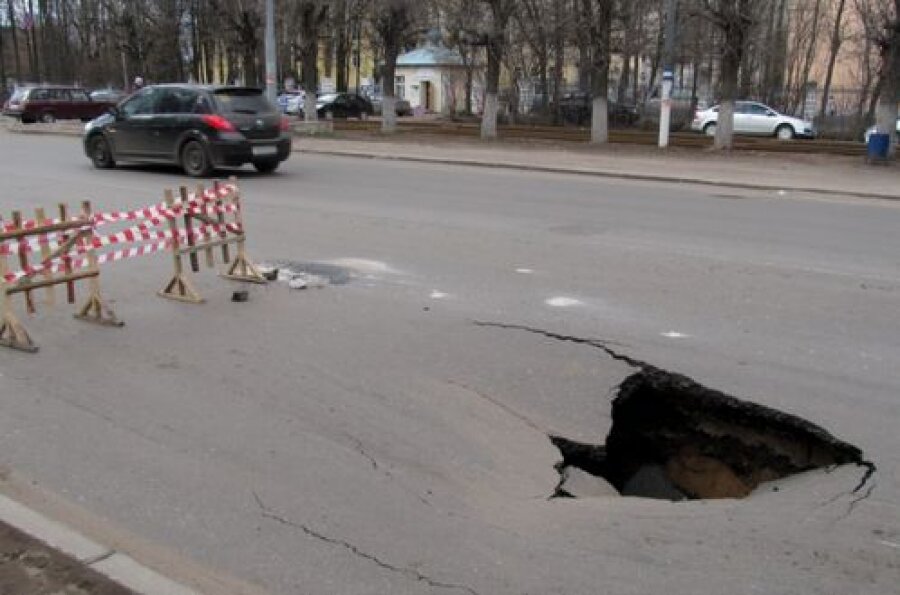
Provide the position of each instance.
(400, 87)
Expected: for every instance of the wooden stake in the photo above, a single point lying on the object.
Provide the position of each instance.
(49, 293)
(23, 261)
(180, 287)
(207, 237)
(242, 269)
(188, 225)
(95, 309)
(12, 333)
(220, 218)
(67, 262)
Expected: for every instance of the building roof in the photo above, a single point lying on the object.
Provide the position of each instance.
(431, 54)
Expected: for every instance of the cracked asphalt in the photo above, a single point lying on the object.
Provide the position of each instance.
(372, 438)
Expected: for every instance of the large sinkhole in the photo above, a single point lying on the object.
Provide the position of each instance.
(673, 439)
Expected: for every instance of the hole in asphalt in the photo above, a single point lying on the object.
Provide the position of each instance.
(323, 273)
(673, 439)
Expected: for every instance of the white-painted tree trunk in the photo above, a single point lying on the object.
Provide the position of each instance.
(886, 121)
(600, 121)
(388, 114)
(309, 107)
(489, 117)
(725, 125)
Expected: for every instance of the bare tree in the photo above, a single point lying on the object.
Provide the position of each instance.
(734, 19)
(311, 15)
(600, 33)
(495, 41)
(837, 39)
(394, 24)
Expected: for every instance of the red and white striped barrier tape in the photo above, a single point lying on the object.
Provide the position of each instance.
(164, 238)
(156, 215)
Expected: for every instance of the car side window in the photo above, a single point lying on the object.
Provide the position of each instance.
(39, 95)
(177, 101)
(79, 95)
(140, 104)
(756, 109)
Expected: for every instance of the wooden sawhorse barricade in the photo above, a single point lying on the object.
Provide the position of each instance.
(211, 220)
(67, 246)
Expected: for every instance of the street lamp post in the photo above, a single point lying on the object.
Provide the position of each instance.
(271, 70)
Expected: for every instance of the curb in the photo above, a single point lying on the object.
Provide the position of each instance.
(116, 566)
(595, 173)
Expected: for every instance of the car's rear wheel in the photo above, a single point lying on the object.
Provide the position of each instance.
(101, 155)
(784, 132)
(195, 160)
(48, 118)
(709, 129)
(266, 167)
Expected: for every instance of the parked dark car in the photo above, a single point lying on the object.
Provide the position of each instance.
(342, 105)
(48, 104)
(401, 106)
(577, 108)
(197, 127)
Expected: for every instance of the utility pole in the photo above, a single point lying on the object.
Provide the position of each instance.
(271, 70)
(668, 78)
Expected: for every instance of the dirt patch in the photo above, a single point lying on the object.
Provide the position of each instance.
(29, 567)
(674, 439)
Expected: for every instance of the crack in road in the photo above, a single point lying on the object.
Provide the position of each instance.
(603, 346)
(271, 514)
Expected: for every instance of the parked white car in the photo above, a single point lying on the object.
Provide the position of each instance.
(871, 131)
(756, 119)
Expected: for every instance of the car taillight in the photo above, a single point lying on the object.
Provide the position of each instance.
(285, 124)
(218, 123)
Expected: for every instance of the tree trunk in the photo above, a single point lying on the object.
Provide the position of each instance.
(810, 54)
(836, 41)
(601, 33)
(389, 92)
(341, 45)
(496, 42)
(559, 55)
(886, 122)
(731, 63)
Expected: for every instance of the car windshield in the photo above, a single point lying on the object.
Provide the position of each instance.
(243, 101)
(19, 95)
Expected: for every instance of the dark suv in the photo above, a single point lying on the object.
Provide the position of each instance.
(48, 104)
(197, 127)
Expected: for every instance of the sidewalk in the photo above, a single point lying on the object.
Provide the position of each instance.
(821, 174)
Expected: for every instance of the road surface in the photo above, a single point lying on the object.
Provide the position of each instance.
(370, 438)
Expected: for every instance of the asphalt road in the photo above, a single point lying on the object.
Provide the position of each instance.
(370, 438)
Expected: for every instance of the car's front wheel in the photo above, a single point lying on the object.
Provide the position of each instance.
(48, 118)
(784, 132)
(710, 129)
(266, 167)
(195, 160)
(101, 155)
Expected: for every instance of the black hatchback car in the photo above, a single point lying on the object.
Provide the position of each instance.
(197, 127)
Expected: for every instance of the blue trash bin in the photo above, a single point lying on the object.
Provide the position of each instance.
(878, 147)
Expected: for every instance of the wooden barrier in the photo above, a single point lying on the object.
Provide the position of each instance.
(215, 230)
(72, 236)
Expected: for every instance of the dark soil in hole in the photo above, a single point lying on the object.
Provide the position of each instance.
(674, 439)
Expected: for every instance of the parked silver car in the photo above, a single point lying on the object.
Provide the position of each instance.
(756, 119)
